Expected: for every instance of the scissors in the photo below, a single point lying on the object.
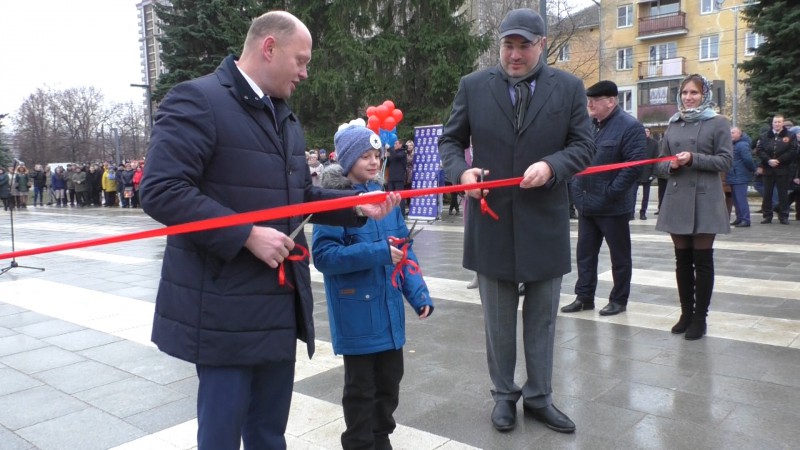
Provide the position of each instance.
(412, 233)
(300, 227)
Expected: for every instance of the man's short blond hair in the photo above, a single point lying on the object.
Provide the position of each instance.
(279, 24)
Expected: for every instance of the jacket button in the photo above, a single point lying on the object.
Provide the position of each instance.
(366, 296)
(674, 183)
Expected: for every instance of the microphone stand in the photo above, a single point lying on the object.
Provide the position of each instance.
(14, 264)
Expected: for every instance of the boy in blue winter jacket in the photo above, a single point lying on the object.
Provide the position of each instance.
(365, 294)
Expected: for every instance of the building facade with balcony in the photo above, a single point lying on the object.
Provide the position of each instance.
(651, 45)
(150, 50)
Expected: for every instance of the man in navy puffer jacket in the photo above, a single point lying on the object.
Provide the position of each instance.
(605, 200)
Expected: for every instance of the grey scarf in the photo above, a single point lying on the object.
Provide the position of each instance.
(522, 91)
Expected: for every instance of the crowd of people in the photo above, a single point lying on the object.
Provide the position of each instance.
(73, 185)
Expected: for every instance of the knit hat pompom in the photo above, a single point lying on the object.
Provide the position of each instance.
(353, 140)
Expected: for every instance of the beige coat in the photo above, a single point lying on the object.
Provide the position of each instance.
(694, 202)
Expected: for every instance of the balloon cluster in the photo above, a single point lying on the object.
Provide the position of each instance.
(383, 120)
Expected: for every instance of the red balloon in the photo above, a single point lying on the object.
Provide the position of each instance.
(382, 112)
(374, 127)
(373, 122)
(371, 111)
(398, 115)
(389, 123)
(389, 104)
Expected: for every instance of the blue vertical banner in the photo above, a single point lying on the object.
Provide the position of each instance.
(426, 172)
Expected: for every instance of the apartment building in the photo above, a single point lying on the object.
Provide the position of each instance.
(150, 52)
(648, 46)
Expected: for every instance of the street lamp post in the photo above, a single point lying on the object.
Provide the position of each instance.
(735, 9)
(149, 95)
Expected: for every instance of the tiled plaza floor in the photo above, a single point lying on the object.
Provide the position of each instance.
(77, 370)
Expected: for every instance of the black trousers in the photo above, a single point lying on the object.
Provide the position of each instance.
(371, 394)
(662, 189)
(782, 182)
(645, 197)
(617, 233)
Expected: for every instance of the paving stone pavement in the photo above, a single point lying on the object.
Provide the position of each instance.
(77, 370)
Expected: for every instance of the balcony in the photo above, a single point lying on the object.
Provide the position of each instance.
(673, 67)
(662, 25)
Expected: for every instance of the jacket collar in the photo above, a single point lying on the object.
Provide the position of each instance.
(544, 88)
(269, 120)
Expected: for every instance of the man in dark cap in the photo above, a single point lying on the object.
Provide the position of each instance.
(524, 119)
(605, 201)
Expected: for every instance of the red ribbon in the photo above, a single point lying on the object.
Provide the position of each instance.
(282, 272)
(299, 209)
(486, 210)
(413, 267)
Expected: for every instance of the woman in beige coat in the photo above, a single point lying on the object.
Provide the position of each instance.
(693, 211)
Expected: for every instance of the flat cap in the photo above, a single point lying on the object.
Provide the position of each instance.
(603, 88)
(524, 22)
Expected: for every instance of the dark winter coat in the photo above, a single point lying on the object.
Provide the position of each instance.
(650, 152)
(620, 138)
(396, 163)
(215, 151)
(5, 185)
(365, 311)
(781, 146)
(531, 241)
(742, 169)
(39, 178)
(59, 181)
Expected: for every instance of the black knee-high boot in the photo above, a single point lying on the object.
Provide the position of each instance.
(704, 287)
(684, 274)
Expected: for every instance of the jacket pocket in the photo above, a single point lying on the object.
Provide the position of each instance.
(357, 312)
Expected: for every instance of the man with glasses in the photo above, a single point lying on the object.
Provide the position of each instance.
(527, 120)
(605, 201)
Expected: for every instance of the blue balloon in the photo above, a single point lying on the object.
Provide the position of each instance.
(388, 137)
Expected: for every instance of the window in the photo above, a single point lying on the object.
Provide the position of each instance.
(662, 7)
(751, 42)
(563, 52)
(708, 6)
(709, 48)
(660, 52)
(625, 58)
(625, 16)
(659, 92)
(626, 101)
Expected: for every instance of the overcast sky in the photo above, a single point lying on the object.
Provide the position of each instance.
(72, 43)
(68, 43)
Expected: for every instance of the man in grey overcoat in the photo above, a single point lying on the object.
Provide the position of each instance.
(524, 119)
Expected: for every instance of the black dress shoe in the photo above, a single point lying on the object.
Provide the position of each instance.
(742, 225)
(612, 309)
(504, 415)
(736, 222)
(642, 216)
(784, 221)
(576, 306)
(766, 221)
(552, 418)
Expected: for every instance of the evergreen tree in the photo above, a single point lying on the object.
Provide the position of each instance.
(6, 159)
(774, 78)
(199, 34)
(365, 51)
